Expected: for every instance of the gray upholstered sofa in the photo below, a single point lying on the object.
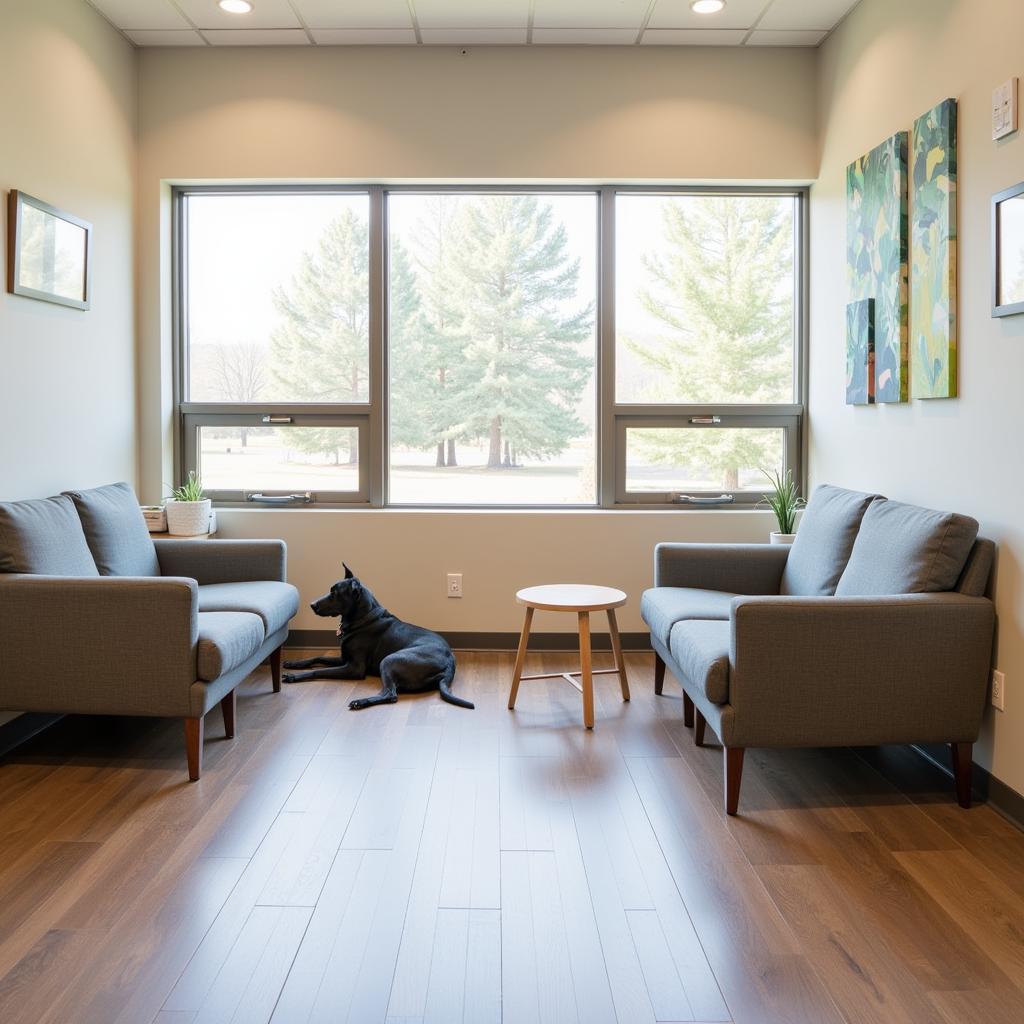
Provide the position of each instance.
(96, 618)
(872, 628)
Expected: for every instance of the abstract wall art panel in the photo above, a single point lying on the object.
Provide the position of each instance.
(876, 257)
(860, 352)
(933, 254)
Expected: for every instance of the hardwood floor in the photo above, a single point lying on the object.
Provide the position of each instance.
(423, 863)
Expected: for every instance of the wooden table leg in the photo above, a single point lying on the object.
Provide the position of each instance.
(586, 671)
(517, 672)
(620, 664)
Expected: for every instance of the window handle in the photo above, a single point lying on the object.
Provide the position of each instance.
(276, 419)
(689, 499)
(281, 499)
(707, 421)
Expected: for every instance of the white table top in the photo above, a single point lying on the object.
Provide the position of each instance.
(572, 597)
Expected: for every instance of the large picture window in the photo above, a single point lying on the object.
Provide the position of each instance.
(489, 347)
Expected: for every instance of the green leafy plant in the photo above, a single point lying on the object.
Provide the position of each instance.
(783, 499)
(190, 490)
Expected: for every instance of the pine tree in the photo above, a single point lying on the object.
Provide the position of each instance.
(320, 350)
(719, 292)
(524, 370)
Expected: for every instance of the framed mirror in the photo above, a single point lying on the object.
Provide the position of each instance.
(49, 252)
(1008, 251)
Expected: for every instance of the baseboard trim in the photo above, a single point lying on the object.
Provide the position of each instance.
(24, 727)
(316, 638)
(997, 794)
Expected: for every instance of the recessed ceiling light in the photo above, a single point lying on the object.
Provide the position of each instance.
(238, 6)
(706, 6)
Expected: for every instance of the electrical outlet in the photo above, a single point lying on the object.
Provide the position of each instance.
(999, 691)
(455, 584)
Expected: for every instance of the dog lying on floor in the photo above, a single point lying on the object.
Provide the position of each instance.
(408, 659)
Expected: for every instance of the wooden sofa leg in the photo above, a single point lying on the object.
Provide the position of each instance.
(687, 710)
(698, 728)
(962, 772)
(659, 674)
(733, 774)
(227, 707)
(275, 668)
(194, 747)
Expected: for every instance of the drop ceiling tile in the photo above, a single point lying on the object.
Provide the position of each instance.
(805, 14)
(792, 38)
(147, 14)
(474, 36)
(169, 37)
(677, 14)
(363, 36)
(585, 36)
(693, 37)
(355, 13)
(591, 14)
(264, 14)
(257, 37)
(482, 14)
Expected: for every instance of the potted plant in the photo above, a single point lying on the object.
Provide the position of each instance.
(784, 500)
(188, 512)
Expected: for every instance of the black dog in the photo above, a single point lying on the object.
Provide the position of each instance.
(408, 659)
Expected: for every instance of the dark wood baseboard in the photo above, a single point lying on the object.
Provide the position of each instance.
(316, 638)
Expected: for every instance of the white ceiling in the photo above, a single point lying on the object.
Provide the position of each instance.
(482, 22)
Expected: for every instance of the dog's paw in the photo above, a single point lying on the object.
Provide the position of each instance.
(356, 705)
(289, 678)
(290, 664)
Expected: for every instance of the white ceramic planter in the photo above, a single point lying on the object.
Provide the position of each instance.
(782, 538)
(188, 518)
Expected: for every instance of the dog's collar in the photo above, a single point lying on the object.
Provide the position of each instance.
(370, 615)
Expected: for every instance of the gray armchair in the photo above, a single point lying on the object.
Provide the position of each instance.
(97, 619)
(873, 628)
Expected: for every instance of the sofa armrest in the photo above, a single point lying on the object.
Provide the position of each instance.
(737, 568)
(98, 645)
(223, 561)
(826, 671)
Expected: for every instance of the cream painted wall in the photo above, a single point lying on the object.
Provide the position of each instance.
(886, 64)
(67, 121)
(583, 114)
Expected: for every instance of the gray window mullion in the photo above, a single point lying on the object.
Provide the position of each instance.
(607, 469)
(377, 481)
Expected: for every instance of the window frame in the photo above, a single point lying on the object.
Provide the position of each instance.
(612, 418)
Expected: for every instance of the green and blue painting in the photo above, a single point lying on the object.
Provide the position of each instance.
(933, 254)
(860, 352)
(876, 257)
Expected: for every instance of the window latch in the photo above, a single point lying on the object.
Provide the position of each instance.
(281, 499)
(706, 421)
(276, 419)
(690, 499)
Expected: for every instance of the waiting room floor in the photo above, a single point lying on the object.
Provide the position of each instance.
(419, 862)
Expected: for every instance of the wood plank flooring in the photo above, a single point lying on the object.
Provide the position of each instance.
(422, 863)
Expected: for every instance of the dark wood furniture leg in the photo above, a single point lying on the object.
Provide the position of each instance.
(698, 731)
(194, 747)
(733, 774)
(659, 673)
(962, 772)
(687, 710)
(227, 707)
(275, 668)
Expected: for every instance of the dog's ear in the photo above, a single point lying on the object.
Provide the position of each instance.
(348, 572)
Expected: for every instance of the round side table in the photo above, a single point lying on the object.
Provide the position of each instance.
(581, 599)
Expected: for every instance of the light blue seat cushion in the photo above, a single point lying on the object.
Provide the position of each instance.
(115, 531)
(44, 536)
(700, 648)
(226, 640)
(906, 549)
(662, 607)
(824, 541)
(274, 602)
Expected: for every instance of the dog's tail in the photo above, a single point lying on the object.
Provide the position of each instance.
(444, 685)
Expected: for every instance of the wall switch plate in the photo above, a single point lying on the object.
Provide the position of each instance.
(1004, 109)
(455, 584)
(999, 691)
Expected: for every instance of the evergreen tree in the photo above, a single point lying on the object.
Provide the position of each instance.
(719, 290)
(523, 369)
